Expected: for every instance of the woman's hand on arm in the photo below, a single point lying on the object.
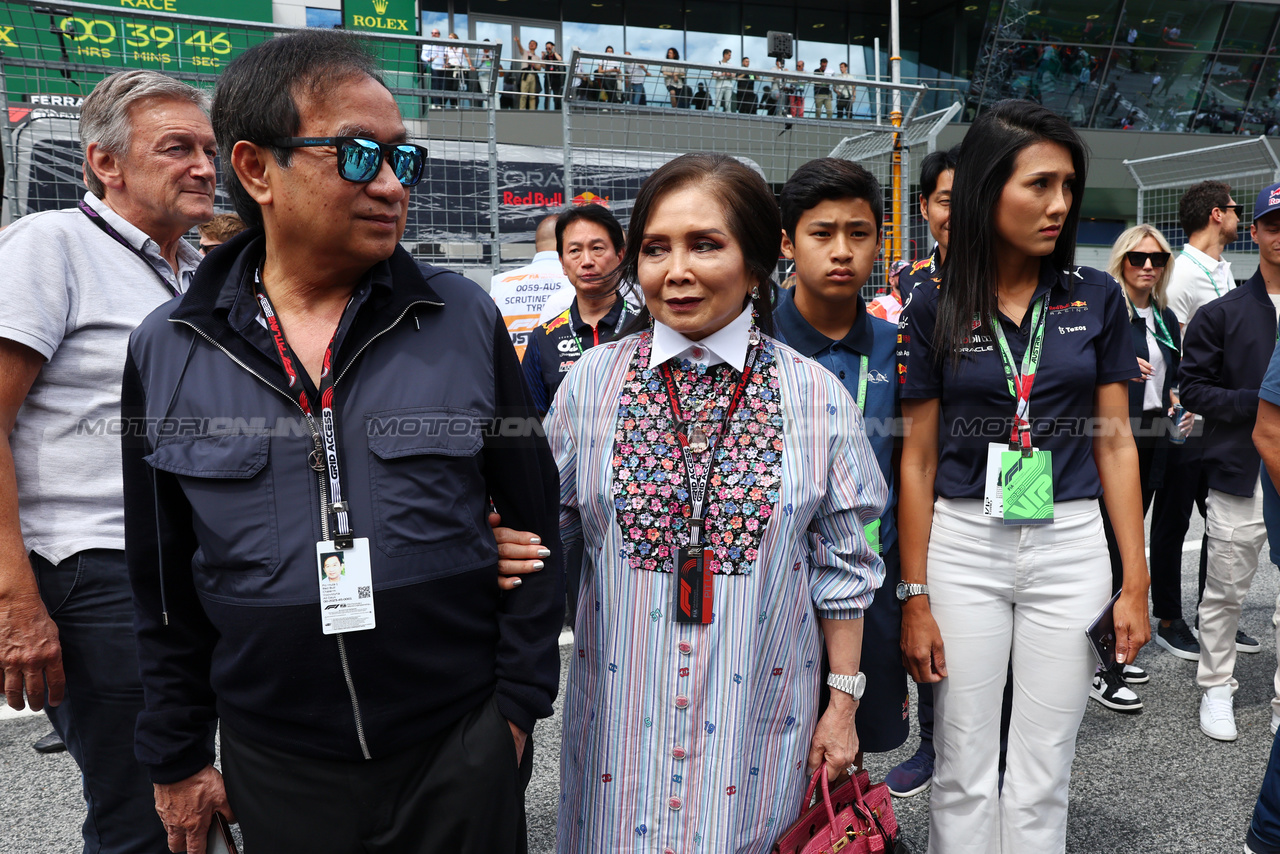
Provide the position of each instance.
(835, 739)
(922, 650)
(519, 553)
(1116, 457)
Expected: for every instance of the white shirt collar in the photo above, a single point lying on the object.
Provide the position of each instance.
(1204, 258)
(727, 345)
(545, 256)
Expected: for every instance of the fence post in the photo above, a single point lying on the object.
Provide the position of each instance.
(9, 153)
(567, 126)
(495, 218)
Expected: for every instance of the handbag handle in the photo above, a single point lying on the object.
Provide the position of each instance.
(862, 808)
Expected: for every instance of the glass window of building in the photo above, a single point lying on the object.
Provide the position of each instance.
(654, 27)
(325, 18)
(710, 28)
(592, 25)
(1263, 113)
(1080, 21)
(1171, 24)
(822, 33)
(1154, 90)
(1249, 29)
(1233, 81)
(757, 22)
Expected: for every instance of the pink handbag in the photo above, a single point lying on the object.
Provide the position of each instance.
(857, 818)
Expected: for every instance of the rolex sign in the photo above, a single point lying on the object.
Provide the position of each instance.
(381, 16)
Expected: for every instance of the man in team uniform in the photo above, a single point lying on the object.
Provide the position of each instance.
(936, 172)
(589, 241)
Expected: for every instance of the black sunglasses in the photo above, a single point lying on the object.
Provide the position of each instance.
(1139, 259)
(359, 159)
(1239, 209)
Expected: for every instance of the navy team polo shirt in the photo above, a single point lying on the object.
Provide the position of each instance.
(874, 338)
(1086, 344)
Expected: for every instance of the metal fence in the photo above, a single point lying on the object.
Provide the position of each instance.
(622, 117)
(1248, 166)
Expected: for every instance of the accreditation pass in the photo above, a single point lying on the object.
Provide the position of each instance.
(346, 587)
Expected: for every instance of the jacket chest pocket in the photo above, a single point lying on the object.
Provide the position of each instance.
(425, 475)
(233, 505)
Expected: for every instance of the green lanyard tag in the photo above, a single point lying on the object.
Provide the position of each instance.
(871, 529)
(1027, 487)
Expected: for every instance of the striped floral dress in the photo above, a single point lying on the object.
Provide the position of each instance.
(693, 738)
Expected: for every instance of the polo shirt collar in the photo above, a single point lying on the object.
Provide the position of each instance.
(545, 257)
(810, 342)
(188, 256)
(609, 321)
(1204, 258)
(727, 345)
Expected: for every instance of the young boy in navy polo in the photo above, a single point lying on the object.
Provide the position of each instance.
(831, 215)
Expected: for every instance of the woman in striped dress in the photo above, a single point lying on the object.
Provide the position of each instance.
(699, 735)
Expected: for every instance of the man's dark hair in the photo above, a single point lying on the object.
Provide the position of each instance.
(828, 178)
(1197, 204)
(598, 214)
(257, 95)
(932, 167)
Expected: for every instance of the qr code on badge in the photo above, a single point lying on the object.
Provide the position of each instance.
(364, 592)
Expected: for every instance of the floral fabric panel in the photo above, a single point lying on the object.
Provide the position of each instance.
(650, 494)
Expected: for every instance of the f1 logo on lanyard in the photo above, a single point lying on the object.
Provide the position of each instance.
(345, 573)
(1020, 477)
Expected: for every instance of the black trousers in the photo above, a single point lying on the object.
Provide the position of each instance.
(457, 793)
(1184, 488)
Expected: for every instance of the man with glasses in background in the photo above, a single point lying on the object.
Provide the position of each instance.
(393, 711)
(1211, 219)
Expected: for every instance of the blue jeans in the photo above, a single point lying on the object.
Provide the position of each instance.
(1271, 516)
(637, 94)
(89, 598)
(1264, 830)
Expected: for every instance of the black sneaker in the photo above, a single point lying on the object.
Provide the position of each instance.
(1244, 643)
(1110, 690)
(51, 743)
(1177, 638)
(1135, 675)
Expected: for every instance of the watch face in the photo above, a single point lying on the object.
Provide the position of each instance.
(902, 591)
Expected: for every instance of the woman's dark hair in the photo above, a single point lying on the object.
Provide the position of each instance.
(257, 97)
(671, 51)
(985, 165)
(749, 209)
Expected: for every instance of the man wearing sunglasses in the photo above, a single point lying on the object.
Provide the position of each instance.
(1211, 219)
(1227, 348)
(391, 712)
(76, 283)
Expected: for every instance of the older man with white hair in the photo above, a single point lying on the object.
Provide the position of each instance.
(77, 282)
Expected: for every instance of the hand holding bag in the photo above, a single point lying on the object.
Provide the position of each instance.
(857, 818)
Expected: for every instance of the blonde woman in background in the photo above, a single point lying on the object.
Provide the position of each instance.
(1140, 261)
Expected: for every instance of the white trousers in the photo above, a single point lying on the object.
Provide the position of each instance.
(1002, 592)
(1237, 534)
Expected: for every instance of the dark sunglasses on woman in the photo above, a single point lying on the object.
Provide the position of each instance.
(1140, 259)
(359, 159)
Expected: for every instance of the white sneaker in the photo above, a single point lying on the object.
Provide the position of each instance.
(1275, 723)
(1217, 714)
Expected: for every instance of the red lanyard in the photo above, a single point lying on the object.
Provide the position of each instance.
(696, 498)
(342, 538)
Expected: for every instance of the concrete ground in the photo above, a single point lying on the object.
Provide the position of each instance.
(1143, 783)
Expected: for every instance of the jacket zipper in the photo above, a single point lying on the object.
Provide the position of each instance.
(324, 508)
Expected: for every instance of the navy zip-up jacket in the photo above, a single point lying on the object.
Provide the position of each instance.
(1225, 352)
(223, 513)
